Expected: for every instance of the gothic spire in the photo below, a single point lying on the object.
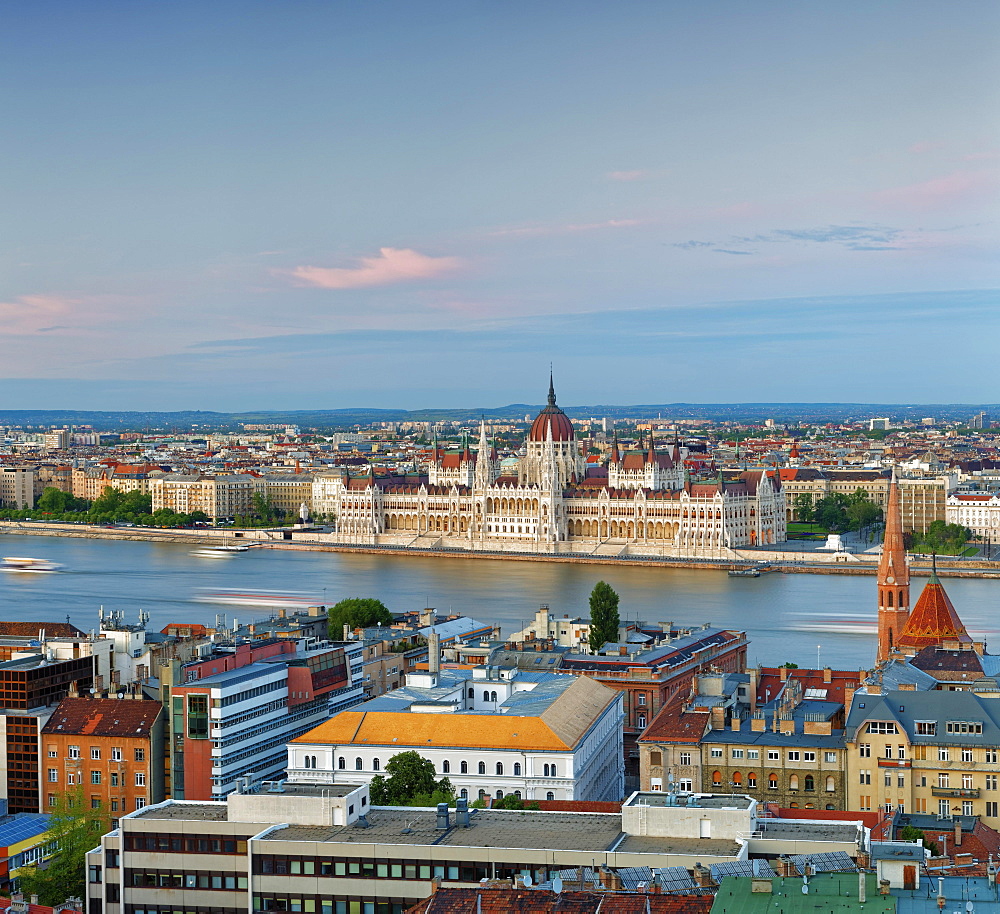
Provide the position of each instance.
(552, 390)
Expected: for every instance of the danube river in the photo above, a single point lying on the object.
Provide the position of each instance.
(787, 616)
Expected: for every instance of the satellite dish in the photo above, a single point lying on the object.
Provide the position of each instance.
(527, 879)
(805, 889)
(970, 907)
(557, 885)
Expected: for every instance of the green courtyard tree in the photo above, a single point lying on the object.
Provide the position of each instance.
(74, 828)
(410, 781)
(357, 612)
(604, 619)
(803, 505)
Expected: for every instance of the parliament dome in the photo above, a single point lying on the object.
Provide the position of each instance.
(551, 417)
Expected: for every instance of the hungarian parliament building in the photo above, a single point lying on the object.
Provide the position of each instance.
(642, 503)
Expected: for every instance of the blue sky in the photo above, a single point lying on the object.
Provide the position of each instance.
(306, 205)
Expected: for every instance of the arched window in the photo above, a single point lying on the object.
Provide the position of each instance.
(889, 595)
(486, 696)
(445, 766)
(472, 693)
(545, 770)
(493, 696)
(482, 793)
(517, 793)
(314, 761)
(737, 779)
(464, 793)
(793, 782)
(829, 806)
(550, 796)
(342, 763)
(517, 768)
(464, 767)
(772, 781)
(499, 767)
(358, 764)
(793, 805)
(808, 782)
(376, 764)
(716, 778)
(306, 762)
(499, 794)
(752, 780)
(482, 767)
(552, 771)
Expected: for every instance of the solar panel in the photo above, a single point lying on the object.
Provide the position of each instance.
(831, 862)
(731, 868)
(674, 879)
(21, 827)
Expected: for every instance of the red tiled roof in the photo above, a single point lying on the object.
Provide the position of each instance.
(675, 725)
(104, 717)
(31, 630)
(933, 620)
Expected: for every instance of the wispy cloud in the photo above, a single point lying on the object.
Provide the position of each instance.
(636, 175)
(391, 265)
(566, 228)
(28, 314)
(944, 191)
(853, 237)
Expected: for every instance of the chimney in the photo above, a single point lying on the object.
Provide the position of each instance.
(958, 833)
(347, 632)
(462, 812)
(827, 674)
(752, 690)
(702, 876)
(623, 651)
(783, 673)
(758, 724)
(907, 687)
(434, 653)
(736, 724)
(443, 819)
(34, 899)
(718, 717)
(875, 689)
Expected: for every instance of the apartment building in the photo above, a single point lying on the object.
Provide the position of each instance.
(979, 511)
(289, 491)
(111, 749)
(17, 487)
(924, 499)
(216, 496)
(933, 752)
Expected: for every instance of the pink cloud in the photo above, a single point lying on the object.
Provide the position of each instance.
(392, 265)
(33, 313)
(627, 175)
(944, 191)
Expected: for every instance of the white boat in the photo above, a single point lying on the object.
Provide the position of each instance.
(266, 598)
(33, 566)
(221, 552)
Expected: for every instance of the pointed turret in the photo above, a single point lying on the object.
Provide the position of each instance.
(934, 619)
(651, 453)
(893, 577)
(466, 453)
(615, 455)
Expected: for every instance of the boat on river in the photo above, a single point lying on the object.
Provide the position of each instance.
(221, 552)
(29, 565)
(750, 572)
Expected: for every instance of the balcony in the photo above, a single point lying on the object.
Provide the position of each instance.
(965, 793)
(893, 763)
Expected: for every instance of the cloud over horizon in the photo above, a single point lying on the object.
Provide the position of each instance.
(391, 265)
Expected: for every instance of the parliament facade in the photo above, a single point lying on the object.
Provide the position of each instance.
(642, 502)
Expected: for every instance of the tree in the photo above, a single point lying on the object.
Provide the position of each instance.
(357, 612)
(604, 619)
(74, 829)
(803, 504)
(410, 782)
(512, 801)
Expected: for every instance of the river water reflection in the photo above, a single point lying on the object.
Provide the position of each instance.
(787, 616)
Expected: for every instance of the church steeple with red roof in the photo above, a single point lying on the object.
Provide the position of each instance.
(893, 577)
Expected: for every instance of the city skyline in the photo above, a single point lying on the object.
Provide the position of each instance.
(259, 206)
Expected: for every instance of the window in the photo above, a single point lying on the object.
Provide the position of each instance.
(830, 757)
(737, 753)
(752, 780)
(901, 752)
(641, 699)
(685, 784)
(966, 807)
(944, 810)
(991, 808)
(140, 802)
(53, 752)
(716, 753)
(114, 778)
(550, 796)
(716, 778)
(991, 756)
(881, 726)
(753, 753)
(808, 782)
(197, 716)
(901, 780)
(793, 782)
(942, 753)
(95, 752)
(926, 727)
(376, 764)
(888, 751)
(445, 767)
(482, 767)
(53, 775)
(966, 755)
(991, 782)
(964, 726)
(140, 779)
(341, 763)
(95, 802)
(943, 779)
(966, 782)
(640, 720)
(116, 753)
(463, 767)
(793, 755)
(866, 777)
(808, 756)
(831, 784)
(773, 755)
(772, 782)
(888, 779)
(74, 751)
(52, 799)
(139, 754)
(486, 696)
(517, 769)
(865, 750)
(95, 777)
(685, 758)
(358, 764)
(500, 769)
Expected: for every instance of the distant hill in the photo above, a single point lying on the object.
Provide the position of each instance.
(346, 418)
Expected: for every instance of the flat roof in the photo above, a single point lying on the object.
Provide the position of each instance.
(800, 830)
(691, 801)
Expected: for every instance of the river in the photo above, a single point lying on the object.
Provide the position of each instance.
(786, 616)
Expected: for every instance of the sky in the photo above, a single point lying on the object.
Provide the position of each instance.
(308, 205)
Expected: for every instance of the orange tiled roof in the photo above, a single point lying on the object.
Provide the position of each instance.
(104, 717)
(933, 620)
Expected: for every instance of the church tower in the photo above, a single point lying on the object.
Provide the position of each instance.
(893, 577)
